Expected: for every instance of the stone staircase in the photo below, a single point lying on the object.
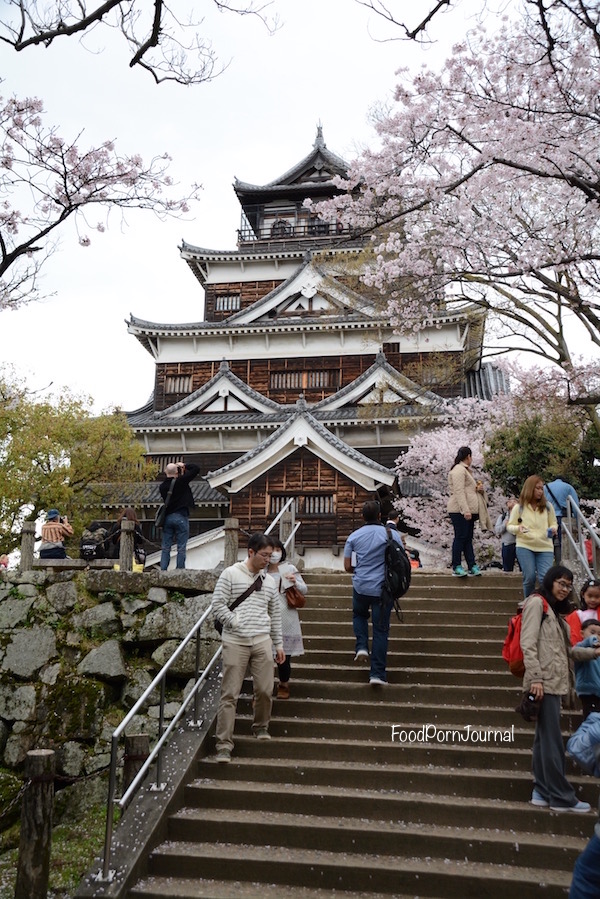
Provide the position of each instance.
(332, 805)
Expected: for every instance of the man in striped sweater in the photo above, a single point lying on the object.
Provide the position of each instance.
(250, 633)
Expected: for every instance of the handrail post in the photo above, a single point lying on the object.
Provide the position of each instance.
(27, 546)
(126, 545)
(112, 786)
(33, 866)
(231, 531)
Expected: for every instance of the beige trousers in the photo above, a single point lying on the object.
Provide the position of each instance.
(236, 659)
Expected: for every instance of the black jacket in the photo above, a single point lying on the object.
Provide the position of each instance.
(182, 499)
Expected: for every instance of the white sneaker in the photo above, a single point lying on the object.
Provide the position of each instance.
(377, 682)
(361, 656)
(579, 806)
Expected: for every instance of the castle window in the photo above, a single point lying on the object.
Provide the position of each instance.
(310, 504)
(228, 302)
(178, 384)
(305, 380)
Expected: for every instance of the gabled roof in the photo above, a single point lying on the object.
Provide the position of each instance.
(301, 430)
(225, 392)
(308, 291)
(315, 171)
(381, 384)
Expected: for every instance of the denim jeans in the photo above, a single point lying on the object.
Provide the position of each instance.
(176, 528)
(463, 539)
(586, 873)
(533, 564)
(361, 604)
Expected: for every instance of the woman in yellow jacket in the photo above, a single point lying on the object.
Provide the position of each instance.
(463, 509)
(533, 521)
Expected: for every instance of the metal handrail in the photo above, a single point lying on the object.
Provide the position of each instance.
(295, 524)
(577, 523)
(105, 874)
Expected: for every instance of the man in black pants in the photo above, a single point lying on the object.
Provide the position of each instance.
(177, 520)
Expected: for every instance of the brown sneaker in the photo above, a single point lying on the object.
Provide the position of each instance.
(283, 691)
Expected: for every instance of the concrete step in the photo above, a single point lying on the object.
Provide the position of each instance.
(330, 870)
(406, 804)
(319, 654)
(345, 835)
(492, 631)
(426, 780)
(416, 789)
(184, 888)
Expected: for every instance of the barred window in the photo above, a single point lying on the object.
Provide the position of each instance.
(311, 504)
(278, 502)
(305, 380)
(228, 302)
(318, 505)
(178, 384)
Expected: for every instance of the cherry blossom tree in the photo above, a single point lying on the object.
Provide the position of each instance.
(485, 190)
(167, 44)
(467, 422)
(45, 180)
(532, 430)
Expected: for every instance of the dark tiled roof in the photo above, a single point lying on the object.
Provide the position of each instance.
(486, 383)
(148, 494)
(331, 439)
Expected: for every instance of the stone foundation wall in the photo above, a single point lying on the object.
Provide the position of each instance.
(78, 648)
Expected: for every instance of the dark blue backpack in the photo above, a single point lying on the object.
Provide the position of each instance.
(397, 574)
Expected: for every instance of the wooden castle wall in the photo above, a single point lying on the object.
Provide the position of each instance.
(329, 504)
(283, 380)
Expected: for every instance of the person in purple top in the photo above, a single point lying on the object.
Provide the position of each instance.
(364, 558)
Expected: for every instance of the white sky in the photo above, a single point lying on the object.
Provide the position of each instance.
(254, 121)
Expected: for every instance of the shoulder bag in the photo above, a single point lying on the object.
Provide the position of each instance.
(295, 599)
(237, 602)
(159, 518)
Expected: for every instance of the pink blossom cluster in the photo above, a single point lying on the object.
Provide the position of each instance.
(485, 188)
(45, 180)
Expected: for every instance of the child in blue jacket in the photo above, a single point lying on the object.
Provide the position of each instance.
(587, 673)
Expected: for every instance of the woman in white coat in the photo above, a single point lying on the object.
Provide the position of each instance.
(285, 574)
(464, 510)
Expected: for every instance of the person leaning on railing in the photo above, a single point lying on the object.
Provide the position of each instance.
(54, 531)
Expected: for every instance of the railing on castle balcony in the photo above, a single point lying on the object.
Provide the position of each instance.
(283, 230)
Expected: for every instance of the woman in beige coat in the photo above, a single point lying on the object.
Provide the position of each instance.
(546, 645)
(463, 509)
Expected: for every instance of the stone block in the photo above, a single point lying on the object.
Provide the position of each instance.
(102, 618)
(14, 612)
(172, 621)
(62, 596)
(104, 662)
(29, 650)
(17, 703)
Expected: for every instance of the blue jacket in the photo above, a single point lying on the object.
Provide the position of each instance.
(587, 674)
(368, 543)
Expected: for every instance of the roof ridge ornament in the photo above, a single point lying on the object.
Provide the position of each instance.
(301, 404)
(224, 366)
(319, 143)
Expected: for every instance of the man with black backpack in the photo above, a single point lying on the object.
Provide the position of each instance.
(365, 559)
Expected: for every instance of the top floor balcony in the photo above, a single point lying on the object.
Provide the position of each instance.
(284, 234)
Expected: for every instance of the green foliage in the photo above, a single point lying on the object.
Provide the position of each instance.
(76, 843)
(55, 453)
(547, 446)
